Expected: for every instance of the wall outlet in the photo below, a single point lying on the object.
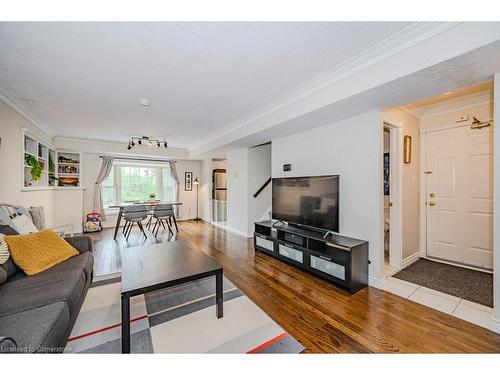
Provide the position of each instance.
(462, 118)
(287, 167)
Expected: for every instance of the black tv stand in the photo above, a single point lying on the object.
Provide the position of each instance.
(337, 258)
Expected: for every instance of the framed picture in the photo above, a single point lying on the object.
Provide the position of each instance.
(407, 149)
(188, 181)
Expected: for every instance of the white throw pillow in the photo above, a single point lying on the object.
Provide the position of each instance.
(4, 250)
(24, 225)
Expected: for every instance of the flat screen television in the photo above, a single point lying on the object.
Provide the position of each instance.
(308, 201)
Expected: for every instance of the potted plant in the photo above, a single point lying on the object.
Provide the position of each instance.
(152, 197)
(36, 168)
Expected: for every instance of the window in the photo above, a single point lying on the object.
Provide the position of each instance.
(134, 182)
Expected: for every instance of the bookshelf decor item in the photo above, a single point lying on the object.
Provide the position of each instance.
(45, 167)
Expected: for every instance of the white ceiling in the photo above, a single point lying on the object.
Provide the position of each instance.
(85, 80)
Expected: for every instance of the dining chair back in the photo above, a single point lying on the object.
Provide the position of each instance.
(163, 213)
(135, 213)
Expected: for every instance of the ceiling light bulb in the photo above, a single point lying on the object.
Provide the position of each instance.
(144, 102)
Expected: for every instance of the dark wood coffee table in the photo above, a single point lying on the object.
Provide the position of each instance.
(152, 267)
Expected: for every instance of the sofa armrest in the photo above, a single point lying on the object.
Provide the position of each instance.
(81, 243)
(7, 345)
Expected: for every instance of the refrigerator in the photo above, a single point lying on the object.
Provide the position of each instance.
(219, 184)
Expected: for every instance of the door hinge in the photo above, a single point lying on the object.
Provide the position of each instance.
(427, 172)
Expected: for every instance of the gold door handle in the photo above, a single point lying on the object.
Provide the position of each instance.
(432, 204)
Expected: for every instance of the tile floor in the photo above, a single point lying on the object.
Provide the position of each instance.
(466, 310)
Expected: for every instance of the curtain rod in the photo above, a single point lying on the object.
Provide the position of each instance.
(139, 159)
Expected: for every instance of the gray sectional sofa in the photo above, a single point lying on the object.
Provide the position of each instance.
(37, 313)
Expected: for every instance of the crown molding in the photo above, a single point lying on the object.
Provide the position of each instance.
(10, 98)
(412, 112)
(401, 41)
(59, 140)
(463, 102)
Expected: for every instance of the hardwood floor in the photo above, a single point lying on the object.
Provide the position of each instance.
(324, 318)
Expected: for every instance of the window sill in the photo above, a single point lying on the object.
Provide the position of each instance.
(111, 211)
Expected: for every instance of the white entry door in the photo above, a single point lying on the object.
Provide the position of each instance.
(459, 205)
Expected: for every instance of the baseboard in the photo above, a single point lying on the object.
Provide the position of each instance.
(232, 230)
(376, 283)
(495, 325)
(411, 259)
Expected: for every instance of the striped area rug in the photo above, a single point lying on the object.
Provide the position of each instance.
(177, 320)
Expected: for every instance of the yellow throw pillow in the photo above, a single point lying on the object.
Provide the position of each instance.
(36, 252)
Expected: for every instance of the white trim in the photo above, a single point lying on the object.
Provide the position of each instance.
(410, 259)
(451, 105)
(230, 229)
(451, 126)
(9, 97)
(423, 195)
(396, 196)
(377, 283)
(399, 42)
(495, 325)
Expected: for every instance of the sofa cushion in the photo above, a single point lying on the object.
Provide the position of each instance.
(37, 252)
(3, 276)
(42, 289)
(9, 267)
(83, 262)
(41, 329)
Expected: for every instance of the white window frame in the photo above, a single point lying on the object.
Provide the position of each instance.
(117, 181)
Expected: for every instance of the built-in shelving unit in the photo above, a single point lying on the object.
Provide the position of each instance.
(44, 167)
(68, 169)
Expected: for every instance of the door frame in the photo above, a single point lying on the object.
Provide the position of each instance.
(395, 196)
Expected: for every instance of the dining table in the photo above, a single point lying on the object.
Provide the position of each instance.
(148, 204)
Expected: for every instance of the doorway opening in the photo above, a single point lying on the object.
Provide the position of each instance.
(450, 267)
(392, 197)
(218, 192)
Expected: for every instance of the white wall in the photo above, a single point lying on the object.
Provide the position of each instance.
(237, 191)
(351, 148)
(496, 210)
(205, 189)
(11, 164)
(91, 164)
(188, 198)
(259, 171)
(410, 180)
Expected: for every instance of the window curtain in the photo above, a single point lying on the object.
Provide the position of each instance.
(175, 176)
(106, 166)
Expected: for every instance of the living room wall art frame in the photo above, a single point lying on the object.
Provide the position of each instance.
(188, 181)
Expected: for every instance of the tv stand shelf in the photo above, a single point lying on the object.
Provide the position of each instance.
(337, 258)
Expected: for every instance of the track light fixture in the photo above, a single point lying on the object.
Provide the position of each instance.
(150, 141)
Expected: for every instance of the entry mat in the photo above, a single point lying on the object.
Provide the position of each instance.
(180, 319)
(471, 285)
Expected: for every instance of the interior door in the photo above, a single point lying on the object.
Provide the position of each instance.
(459, 207)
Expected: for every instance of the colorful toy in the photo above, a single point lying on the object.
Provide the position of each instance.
(93, 222)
